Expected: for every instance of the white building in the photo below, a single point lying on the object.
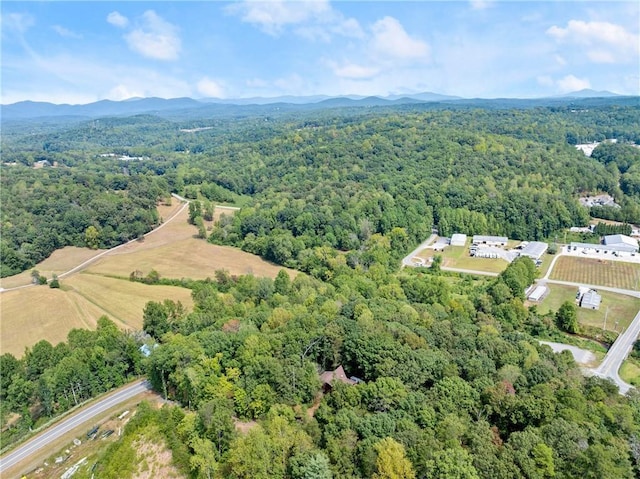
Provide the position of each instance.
(590, 300)
(538, 293)
(622, 243)
(490, 240)
(534, 250)
(458, 239)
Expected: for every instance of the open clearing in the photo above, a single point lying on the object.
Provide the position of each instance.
(35, 313)
(630, 372)
(60, 261)
(32, 314)
(622, 309)
(458, 257)
(613, 274)
(174, 252)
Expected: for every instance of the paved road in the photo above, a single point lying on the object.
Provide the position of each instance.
(406, 261)
(618, 353)
(468, 271)
(100, 255)
(85, 415)
(620, 349)
(581, 356)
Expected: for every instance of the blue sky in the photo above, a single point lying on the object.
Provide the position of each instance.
(79, 52)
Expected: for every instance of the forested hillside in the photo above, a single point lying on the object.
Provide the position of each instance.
(450, 380)
(333, 178)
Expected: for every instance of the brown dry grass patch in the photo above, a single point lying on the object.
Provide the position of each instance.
(60, 261)
(39, 312)
(124, 300)
(36, 313)
(601, 272)
(174, 252)
(154, 460)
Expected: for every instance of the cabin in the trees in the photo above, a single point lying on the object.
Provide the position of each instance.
(327, 378)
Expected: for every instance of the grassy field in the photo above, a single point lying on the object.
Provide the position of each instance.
(614, 274)
(630, 372)
(32, 314)
(174, 252)
(458, 257)
(622, 309)
(35, 313)
(60, 261)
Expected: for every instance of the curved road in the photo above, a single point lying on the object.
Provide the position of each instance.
(100, 255)
(84, 415)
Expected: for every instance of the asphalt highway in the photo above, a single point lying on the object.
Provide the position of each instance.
(85, 415)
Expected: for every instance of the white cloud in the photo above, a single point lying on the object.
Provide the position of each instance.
(391, 40)
(314, 20)
(354, 71)
(117, 19)
(560, 60)
(571, 83)
(273, 15)
(605, 42)
(567, 84)
(124, 92)
(210, 88)
(155, 38)
(66, 33)
(19, 22)
(480, 4)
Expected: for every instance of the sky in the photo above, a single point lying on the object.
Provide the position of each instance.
(84, 51)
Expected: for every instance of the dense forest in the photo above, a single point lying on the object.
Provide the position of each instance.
(330, 179)
(450, 379)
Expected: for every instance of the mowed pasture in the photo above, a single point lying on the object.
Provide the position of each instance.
(619, 309)
(175, 252)
(39, 312)
(600, 272)
(459, 257)
(60, 261)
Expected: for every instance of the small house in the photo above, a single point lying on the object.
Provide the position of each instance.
(327, 378)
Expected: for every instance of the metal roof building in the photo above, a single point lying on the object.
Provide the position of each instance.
(622, 243)
(458, 239)
(590, 300)
(534, 250)
(538, 293)
(612, 248)
(490, 240)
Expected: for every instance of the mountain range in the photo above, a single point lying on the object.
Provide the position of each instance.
(189, 107)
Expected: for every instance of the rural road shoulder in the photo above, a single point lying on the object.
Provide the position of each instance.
(84, 415)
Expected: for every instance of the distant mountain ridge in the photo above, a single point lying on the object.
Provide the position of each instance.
(25, 110)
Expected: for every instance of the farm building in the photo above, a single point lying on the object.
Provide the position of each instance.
(534, 250)
(538, 293)
(458, 239)
(600, 248)
(590, 300)
(490, 240)
(622, 243)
